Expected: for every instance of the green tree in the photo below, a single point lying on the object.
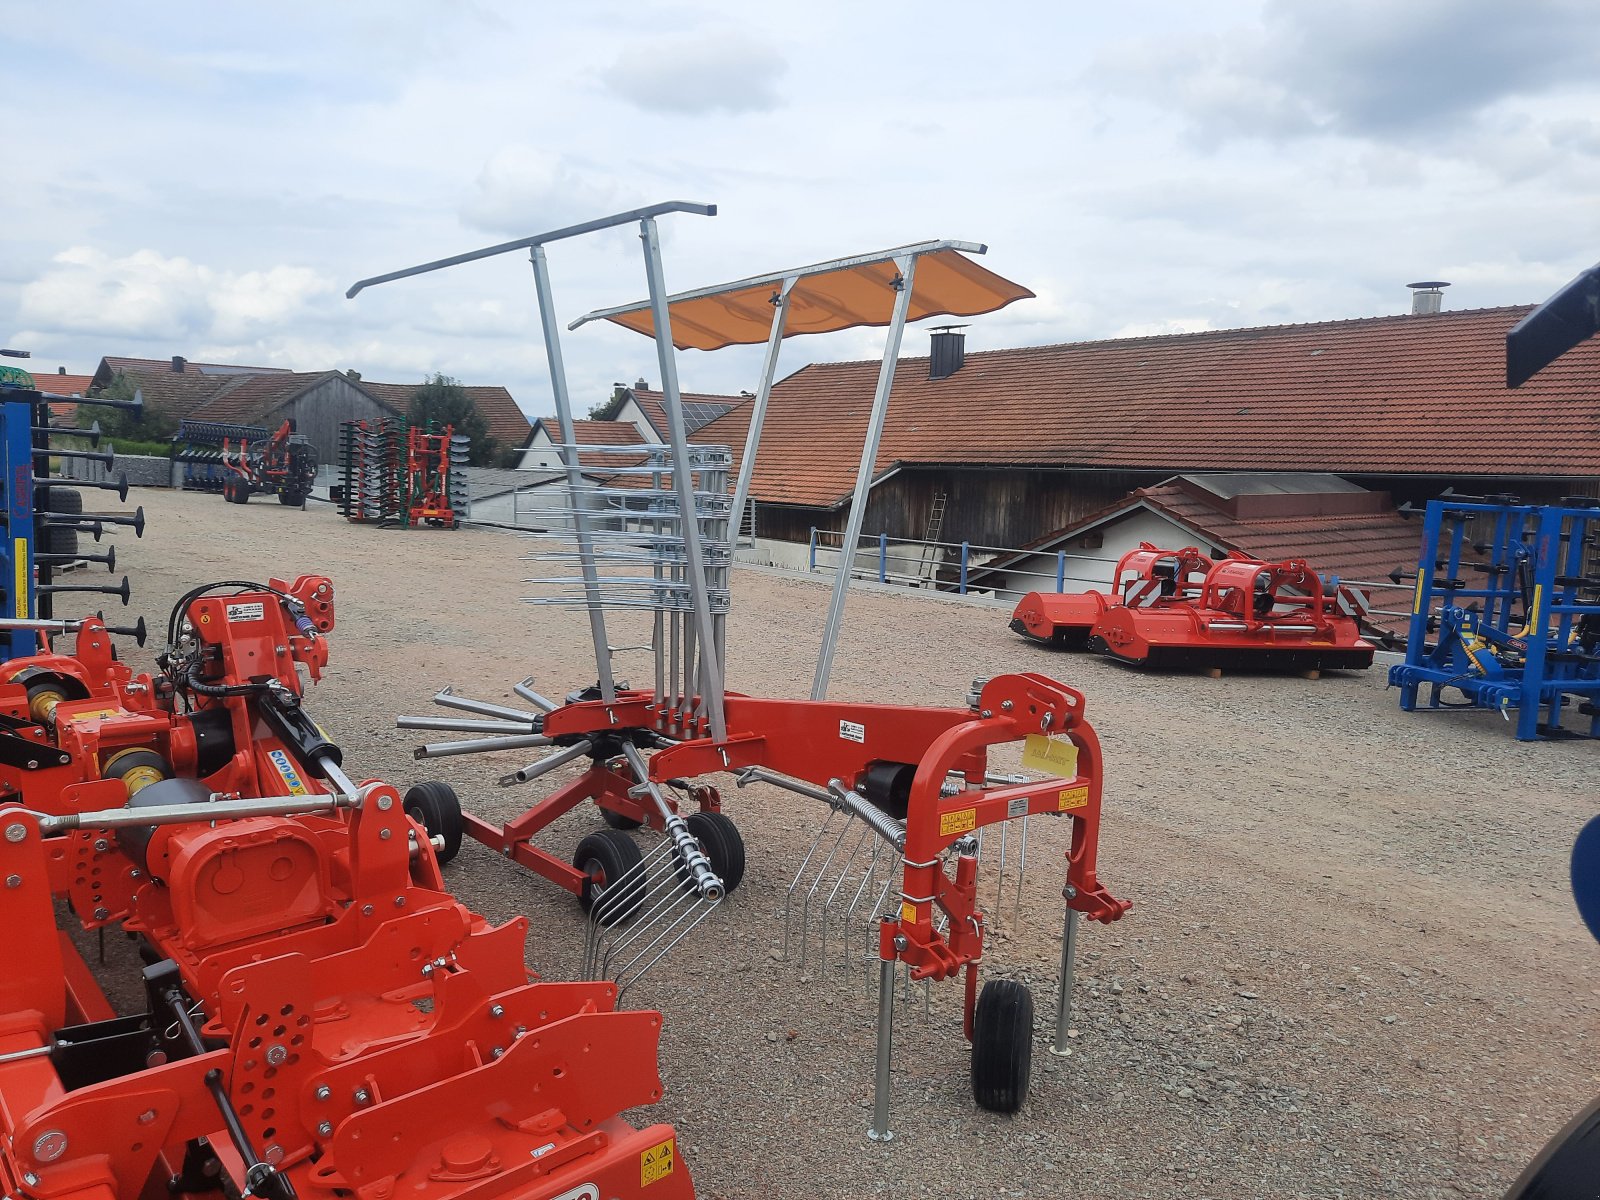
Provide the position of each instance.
(444, 401)
(607, 410)
(118, 423)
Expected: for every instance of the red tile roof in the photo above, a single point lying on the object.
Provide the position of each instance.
(595, 433)
(62, 385)
(1382, 395)
(508, 424)
(700, 408)
(248, 399)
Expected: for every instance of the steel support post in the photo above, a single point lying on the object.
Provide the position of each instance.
(758, 406)
(907, 266)
(569, 456)
(880, 1131)
(1069, 955)
(710, 674)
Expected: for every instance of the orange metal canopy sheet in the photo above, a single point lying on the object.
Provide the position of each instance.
(947, 283)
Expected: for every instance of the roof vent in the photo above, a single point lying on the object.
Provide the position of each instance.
(947, 350)
(177, 364)
(1427, 298)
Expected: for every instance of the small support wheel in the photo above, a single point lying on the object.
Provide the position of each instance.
(1002, 1046)
(291, 499)
(719, 837)
(617, 821)
(606, 857)
(438, 808)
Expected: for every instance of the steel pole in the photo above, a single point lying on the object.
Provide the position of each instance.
(880, 1131)
(758, 406)
(907, 266)
(569, 456)
(710, 675)
(1069, 954)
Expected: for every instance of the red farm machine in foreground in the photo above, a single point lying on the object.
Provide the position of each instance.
(1175, 609)
(321, 1017)
(284, 465)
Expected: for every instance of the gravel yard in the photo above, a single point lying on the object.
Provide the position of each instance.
(1353, 967)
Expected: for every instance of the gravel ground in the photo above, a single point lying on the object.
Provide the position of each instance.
(1353, 967)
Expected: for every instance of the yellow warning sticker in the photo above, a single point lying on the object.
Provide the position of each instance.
(20, 589)
(655, 1163)
(1054, 756)
(908, 911)
(1069, 798)
(961, 821)
(1416, 599)
(95, 714)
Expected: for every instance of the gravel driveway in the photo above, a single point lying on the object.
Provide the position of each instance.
(1353, 966)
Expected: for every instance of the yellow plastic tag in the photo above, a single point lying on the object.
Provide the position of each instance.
(961, 821)
(655, 1163)
(1054, 756)
(908, 911)
(1070, 798)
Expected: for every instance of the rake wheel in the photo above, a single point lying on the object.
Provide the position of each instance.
(605, 857)
(437, 807)
(723, 844)
(1002, 1046)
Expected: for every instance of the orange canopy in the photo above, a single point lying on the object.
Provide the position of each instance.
(827, 297)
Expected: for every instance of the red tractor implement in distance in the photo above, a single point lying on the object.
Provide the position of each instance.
(285, 466)
(322, 1018)
(1241, 613)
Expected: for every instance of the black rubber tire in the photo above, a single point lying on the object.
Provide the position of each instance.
(439, 809)
(724, 846)
(59, 539)
(1569, 1164)
(606, 856)
(617, 821)
(1002, 1046)
(291, 500)
(65, 500)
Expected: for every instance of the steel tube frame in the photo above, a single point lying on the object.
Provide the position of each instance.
(710, 668)
(907, 266)
(758, 406)
(1069, 954)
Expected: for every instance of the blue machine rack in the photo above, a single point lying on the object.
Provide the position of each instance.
(17, 407)
(1527, 638)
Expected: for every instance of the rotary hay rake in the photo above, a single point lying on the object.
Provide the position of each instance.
(915, 779)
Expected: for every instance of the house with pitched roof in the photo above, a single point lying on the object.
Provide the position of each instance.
(1013, 445)
(637, 407)
(317, 402)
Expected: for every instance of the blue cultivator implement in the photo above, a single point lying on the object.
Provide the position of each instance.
(1527, 637)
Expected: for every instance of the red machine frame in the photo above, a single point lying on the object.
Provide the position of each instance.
(1240, 612)
(281, 468)
(325, 1019)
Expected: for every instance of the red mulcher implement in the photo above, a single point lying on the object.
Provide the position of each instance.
(1176, 609)
(322, 1018)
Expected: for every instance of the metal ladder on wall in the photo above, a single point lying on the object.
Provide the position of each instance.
(930, 552)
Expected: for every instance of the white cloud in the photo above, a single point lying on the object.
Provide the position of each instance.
(703, 72)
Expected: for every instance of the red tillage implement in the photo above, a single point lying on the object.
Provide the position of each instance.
(323, 1018)
(1178, 608)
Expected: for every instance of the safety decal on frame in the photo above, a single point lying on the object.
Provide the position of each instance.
(1069, 798)
(961, 821)
(655, 1163)
(252, 611)
(291, 777)
(853, 731)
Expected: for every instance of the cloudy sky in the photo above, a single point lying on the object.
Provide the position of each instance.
(207, 179)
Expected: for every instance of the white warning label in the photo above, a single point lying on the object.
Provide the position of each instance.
(852, 731)
(253, 611)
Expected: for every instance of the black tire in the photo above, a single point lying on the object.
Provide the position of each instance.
(724, 846)
(438, 808)
(1569, 1164)
(291, 500)
(617, 821)
(606, 857)
(60, 539)
(65, 500)
(1002, 1046)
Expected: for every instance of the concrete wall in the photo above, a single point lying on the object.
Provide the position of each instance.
(142, 470)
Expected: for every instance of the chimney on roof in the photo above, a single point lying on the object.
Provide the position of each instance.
(640, 385)
(1427, 298)
(61, 370)
(353, 376)
(177, 364)
(947, 350)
